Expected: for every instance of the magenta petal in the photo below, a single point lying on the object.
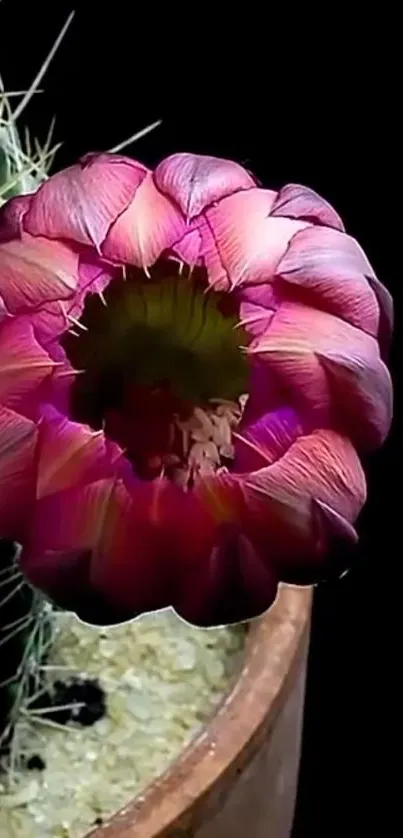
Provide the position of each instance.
(18, 437)
(332, 370)
(189, 247)
(255, 319)
(386, 314)
(71, 454)
(11, 215)
(35, 271)
(295, 201)
(101, 537)
(281, 501)
(82, 202)
(263, 441)
(334, 271)
(232, 585)
(95, 274)
(24, 364)
(265, 394)
(361, 387)
(51, 320)
(245, 243)
(150, 224)
(62, 575)
(333, 525)
(264, 295)
(257, 304)
(334, 539)
(194, 181)
(136, 574)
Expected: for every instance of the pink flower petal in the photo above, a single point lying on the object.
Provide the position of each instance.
(257, 304)
(386, 314)
(11, 215)
(81, 518)
(50, 321)
(83, 201)
(126, 570)
(260, 443)
(194, 181)
(24, 364)
(361, 388)
(245, 242)
(334, 272)
(265, 394)
(34, 271)
(189, 246)
(70, 454)
(332, 370)
(150, 224)
(295, 201)
(17, 461)
(95, 274)
(282, 500)
(53, 319)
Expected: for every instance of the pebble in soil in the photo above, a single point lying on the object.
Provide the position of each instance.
(139, 693)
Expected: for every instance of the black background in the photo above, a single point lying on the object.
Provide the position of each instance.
(295, 116)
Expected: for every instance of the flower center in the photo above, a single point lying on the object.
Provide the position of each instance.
(162, 371)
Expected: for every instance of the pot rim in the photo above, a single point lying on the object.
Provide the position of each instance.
(234, 730)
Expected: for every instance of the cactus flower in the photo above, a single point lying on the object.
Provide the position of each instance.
(191, 368)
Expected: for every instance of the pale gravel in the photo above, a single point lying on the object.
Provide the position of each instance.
(162, 678)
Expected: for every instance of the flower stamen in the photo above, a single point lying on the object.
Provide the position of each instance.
(206, 440)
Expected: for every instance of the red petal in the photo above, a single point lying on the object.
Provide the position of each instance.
(83, 201)
(295, 201)
(334, 271)
(245, 242)
(17, 459)
(35, 271)
(194, 181)
(150, 224)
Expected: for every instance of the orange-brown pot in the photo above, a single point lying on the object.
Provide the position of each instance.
(238, 777)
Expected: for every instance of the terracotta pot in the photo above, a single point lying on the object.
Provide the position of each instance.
(239, 775)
